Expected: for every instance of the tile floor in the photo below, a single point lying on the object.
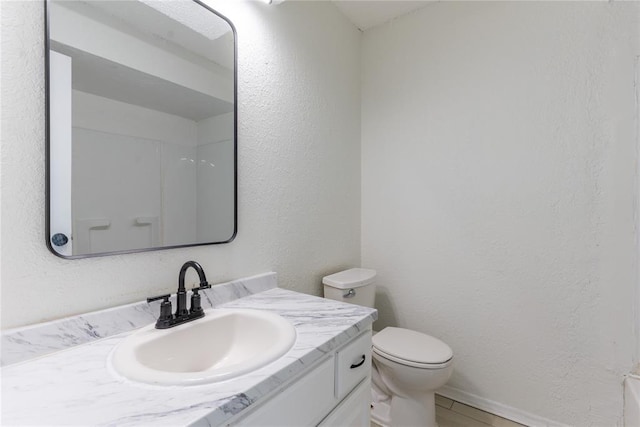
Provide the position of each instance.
(450, 413)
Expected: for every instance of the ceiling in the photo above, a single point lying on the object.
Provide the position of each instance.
(367, 13)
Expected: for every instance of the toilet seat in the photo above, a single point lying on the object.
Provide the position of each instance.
(412, 348)
(412, 364)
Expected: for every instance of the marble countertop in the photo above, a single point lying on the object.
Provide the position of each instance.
(76, 386)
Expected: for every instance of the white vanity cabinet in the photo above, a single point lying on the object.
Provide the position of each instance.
(335, 392)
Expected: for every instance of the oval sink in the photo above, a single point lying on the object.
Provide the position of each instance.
(224, 344)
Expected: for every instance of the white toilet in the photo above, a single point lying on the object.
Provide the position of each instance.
(408, 366)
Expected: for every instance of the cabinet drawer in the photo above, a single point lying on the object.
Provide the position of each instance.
(353, 363)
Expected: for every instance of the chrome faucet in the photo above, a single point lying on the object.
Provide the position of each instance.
(182, 315)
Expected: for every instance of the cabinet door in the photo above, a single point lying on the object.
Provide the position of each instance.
(302, 403)
(354, 411)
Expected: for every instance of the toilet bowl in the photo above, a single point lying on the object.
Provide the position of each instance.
(408, 366)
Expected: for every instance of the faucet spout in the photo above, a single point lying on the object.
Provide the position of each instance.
(183, 271)
(181, 296)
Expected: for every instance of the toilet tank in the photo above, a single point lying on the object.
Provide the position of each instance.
(355, 286)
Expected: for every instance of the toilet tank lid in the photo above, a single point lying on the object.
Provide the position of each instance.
(352, 278)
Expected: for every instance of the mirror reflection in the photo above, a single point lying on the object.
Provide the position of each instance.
(142, 126)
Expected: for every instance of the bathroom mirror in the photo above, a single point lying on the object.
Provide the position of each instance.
(141, 126)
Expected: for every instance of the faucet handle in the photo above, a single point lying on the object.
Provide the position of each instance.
(166, 317)
(196, 308)
(164, 297)
(203, 285)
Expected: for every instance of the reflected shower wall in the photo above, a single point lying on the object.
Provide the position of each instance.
(153, 181)
(168, 183)
(214, 195)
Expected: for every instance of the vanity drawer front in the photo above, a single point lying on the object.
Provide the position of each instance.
(303, 403)
(353, 363)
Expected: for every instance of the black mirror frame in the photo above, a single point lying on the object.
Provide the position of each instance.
(47, 147)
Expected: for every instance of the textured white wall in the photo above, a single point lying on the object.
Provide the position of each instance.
(299, 160)
(498, 195)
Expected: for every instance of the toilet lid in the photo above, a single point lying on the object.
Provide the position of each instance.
(411, 346)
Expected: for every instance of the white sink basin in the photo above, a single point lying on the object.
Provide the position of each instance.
(224, 344)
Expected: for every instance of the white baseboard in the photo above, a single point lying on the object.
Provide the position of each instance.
(496, 408)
